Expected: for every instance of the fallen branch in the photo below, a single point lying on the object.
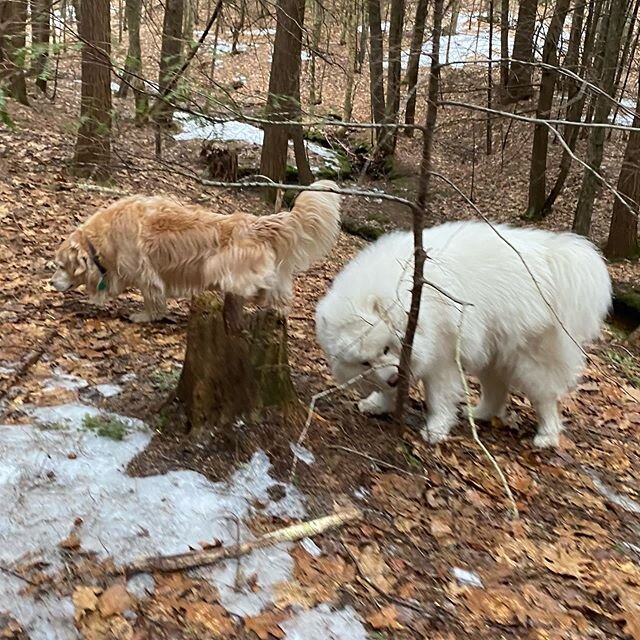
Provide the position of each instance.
(193, 559)
(472, 422)
(28, 362)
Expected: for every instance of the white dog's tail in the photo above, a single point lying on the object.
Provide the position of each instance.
(583, 284)
(309, 231)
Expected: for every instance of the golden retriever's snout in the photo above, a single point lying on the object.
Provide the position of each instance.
(61, 281)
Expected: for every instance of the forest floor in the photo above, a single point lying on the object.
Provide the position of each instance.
(437, 553)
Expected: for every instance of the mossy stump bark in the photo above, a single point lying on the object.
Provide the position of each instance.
(236, 366)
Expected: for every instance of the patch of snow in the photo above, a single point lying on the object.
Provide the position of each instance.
(44, 490)
(323, 622)
(62, 380)
(361, 493)
(141, 586)
(311, 547)
(628, 504)
(7, 369)
(260, 31)
(302, 453)
(467, 578)
(115, 87)
(108, 390)
(328, 155)
(625, 112)
(128, 377)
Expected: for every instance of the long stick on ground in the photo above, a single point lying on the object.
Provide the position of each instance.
(193, 559)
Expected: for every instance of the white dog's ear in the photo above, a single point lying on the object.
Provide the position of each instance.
(379, 306)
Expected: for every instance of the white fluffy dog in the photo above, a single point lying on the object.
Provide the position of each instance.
(510, 338)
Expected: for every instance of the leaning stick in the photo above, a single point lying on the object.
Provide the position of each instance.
(205, 557)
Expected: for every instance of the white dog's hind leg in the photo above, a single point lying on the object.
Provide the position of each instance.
(549, 423)
(443, 389)
(377, 403)
(493, 401)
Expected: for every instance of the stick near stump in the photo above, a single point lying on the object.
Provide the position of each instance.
(192, 559)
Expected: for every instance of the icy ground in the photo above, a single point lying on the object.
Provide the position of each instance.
(57, 476)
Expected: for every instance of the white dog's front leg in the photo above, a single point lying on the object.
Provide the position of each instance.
(377, 403)
(443, 391)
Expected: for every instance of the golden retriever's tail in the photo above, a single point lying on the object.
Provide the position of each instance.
(309, 231)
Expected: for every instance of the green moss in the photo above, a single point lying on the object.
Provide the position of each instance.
(626, 365)
(105, 427)
(362, 229)
(165, 381)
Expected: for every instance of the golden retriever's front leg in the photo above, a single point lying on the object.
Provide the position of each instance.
(155, 302)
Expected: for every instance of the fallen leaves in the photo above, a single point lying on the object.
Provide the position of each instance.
(385, 618)
(267, 625)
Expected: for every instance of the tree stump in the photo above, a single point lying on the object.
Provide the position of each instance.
(236, 367)
(222, 162)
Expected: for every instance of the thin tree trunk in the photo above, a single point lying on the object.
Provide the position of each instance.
(237, 27)
(394, 72)
(364, 31)
(610, 35)
(413, 64)
(490, 83)
(376, 77)
(133, 65)
(623, 232)
(41, 26)
(93, 145)
(13, 24)
(504, 45)
(424, 187)
(170, 56)
(520, 86)
(352, 56)
(538, 168)
(188, 25)
(318, 18)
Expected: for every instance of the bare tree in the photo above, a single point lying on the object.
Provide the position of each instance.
(133, 66)
(93, 145)
(504, 45)
(315, 88)
(41, 25)
(394, 72)
(608, 49)
(283, 102)
(623, 233)
(520, 86)
(13, 24)
(170, 56)
(376, 54)
(413, 64)
(538, 169)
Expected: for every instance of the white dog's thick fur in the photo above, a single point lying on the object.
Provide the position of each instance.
(510, 337)
(167, 249)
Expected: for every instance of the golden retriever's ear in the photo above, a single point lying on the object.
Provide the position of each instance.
(81, 265)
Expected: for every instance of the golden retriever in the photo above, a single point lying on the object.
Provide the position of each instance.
(167, 249)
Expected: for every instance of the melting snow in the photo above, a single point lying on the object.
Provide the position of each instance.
(467, 578)
(44, 490)
(628, 504)
(194, 128)
(302, 453)
(625, 112)
(108, 390)
(62, 380)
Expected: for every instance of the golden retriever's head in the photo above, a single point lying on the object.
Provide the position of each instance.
(76, 266)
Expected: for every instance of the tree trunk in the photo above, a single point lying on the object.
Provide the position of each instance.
(352, 61)
(93, 145)
(413, 64)
(376, 77)
(170, 56)
(236, 366)
(394, 71)
(452, 28)
(575, 101)
(133, 65)
(237, 26)
(13, 24)
(538, 169)
(520, 86)
(189, 21)
(41, 26)
(364, 31)
(504, 45)
(623, 232)
(283, 101)
(606, 64)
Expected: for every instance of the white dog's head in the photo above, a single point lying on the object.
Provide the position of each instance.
(76, 266)
(360, 339)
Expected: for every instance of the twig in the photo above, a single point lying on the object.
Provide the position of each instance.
(193, 559)
(17, 575)
(472, 422)
(382, 463)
